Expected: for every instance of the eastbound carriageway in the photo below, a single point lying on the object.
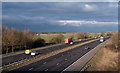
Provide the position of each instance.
(54, 58)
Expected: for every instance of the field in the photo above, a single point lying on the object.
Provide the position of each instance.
(14, 40)
(46, 37)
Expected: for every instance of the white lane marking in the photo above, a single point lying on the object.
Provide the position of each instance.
(30, 68)
(39, 49)
(83, 56)
(44, 63)
(46, 69)
(57, 64)
(65, 59)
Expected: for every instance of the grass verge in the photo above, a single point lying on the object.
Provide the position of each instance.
(94, 60)
(104, 60)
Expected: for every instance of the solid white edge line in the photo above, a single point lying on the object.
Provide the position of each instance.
(83, 56)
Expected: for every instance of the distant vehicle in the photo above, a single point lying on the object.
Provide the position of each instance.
(101, 39)
(86, 47)
(28, 51)
(80, 39)
(34, 53)
(68, 41)
(95, 37)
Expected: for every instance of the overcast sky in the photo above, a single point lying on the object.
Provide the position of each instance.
(61, 16)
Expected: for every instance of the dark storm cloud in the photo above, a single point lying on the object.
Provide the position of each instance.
(45, 17)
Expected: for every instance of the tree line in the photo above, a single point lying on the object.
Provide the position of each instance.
(14, 40)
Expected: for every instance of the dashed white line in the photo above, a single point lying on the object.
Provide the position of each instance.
(57, 64)
(46, 69)
(65, 59)
(44, 63)
(80, 58)
(30, 68)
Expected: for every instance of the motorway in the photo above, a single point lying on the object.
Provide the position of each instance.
(58, 62)
(14, 58)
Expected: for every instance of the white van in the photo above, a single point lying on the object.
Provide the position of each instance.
(101, 39)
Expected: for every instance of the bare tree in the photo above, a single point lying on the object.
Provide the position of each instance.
(102, 33)
(5, 40)
(13, 38)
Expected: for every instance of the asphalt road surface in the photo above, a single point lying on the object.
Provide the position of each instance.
(79, 65)
(58, 62)
(14, 58)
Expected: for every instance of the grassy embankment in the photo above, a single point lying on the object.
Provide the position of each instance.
(104, 60)
(107, 57)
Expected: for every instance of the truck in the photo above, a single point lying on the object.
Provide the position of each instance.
(68, 41)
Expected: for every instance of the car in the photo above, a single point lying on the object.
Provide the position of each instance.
(95, 37)
(71, 43)
(102, 39)
(86, 47)
(34, 53)
(28, 51)
(80, 39)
